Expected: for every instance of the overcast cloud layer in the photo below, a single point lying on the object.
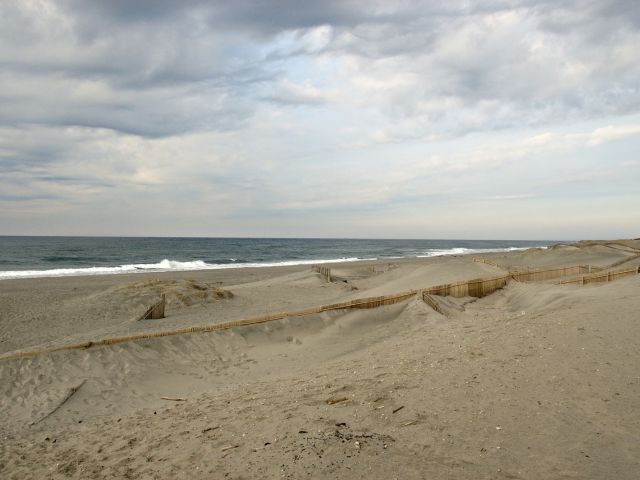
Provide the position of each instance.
(457, 119)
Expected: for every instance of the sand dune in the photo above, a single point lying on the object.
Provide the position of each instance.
(533, 381)
(598, 254)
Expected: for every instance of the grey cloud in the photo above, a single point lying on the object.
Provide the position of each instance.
(261, 18)
(159, 79)
(74, 180)
(27, 150)
(25, 197)
(176, 67)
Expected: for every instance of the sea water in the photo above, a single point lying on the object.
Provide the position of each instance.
(28, 257)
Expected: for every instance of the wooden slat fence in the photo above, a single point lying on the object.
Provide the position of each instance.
(530, 274)
(479, 287)
(322, 270)
(432, 302)
(540, 275)
(601, 277)
(155, 311)
(486, 261)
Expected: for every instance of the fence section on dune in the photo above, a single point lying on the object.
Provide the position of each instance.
(155, 311)
(601, 277)
(360, 303)
(324, 271)
(541, 275)
(432, 302)
(479, 287)
(486, 261)
(531, 274)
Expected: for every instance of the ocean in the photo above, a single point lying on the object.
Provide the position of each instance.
(28, 257)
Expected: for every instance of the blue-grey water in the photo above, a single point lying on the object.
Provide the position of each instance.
(23, 257)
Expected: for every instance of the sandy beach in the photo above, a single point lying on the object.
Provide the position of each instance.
(537, 380)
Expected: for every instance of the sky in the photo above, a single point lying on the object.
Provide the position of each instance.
(496, 119)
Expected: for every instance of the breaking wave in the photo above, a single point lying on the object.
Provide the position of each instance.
(163, 266)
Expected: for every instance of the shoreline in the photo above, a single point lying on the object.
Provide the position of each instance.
(137, 269)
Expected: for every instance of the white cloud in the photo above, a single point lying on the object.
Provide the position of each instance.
(288, 92)
(611, 133)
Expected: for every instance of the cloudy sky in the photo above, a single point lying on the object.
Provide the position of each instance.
(455, 119)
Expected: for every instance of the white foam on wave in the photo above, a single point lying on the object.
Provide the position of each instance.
(468, 251)
(163, 266)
